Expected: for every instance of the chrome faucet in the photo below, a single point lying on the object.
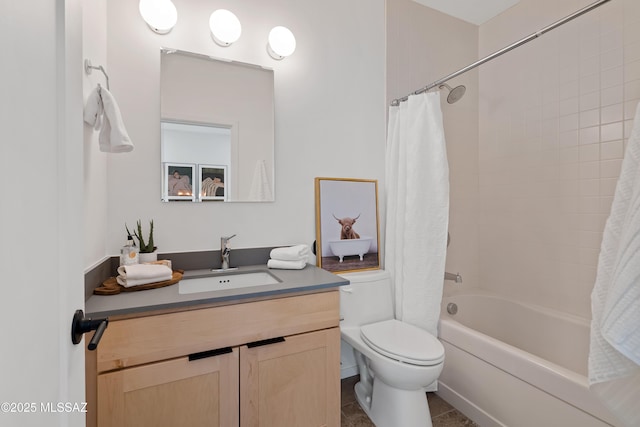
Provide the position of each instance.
(455, 277)
(225, 251)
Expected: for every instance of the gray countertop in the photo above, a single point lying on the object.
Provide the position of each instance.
(308, 279)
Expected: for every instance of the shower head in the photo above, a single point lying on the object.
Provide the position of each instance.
(454, 94)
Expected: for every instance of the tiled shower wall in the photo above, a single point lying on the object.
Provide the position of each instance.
(554, 117)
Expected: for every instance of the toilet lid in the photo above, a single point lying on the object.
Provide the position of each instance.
(403, 342)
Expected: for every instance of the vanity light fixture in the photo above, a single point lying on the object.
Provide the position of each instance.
(225, 27)
(281, 43)
(160, 15)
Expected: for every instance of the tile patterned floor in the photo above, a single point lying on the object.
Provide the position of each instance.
(442, 414)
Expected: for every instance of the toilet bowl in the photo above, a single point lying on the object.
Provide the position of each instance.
(396, 360)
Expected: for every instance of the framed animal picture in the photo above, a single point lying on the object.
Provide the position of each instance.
(347, 231)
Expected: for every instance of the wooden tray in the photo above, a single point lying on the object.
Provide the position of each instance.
(112, 287)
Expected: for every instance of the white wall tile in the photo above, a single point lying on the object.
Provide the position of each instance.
(611, 95)
(611, 77)
(589, 135)
(588, 105)
(611, 131)
(611, 150)
(612, 113)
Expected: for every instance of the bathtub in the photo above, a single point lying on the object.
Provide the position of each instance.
(343, 248)
(517, 365)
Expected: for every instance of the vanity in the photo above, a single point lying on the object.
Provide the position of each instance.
(264, 355)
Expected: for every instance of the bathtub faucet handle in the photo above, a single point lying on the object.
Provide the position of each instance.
(455, 277)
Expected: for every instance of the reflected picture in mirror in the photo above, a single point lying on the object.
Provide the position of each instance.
(179, 182)
(219, 116)
(212, 182)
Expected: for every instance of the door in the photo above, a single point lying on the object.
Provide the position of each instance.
(291, 382)
(41, 212)
(176, 392)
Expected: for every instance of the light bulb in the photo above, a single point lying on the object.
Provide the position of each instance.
(160, 15)
(225, 27)
(282, 43)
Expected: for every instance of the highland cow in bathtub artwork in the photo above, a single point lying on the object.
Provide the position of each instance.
(347, 231)
(347, 224)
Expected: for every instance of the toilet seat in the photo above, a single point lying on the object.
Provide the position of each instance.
(403, 342)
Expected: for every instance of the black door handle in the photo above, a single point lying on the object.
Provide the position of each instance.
(81, 325)
(265, 342)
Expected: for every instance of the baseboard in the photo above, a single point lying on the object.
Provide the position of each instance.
(469, 409)
(348, 371)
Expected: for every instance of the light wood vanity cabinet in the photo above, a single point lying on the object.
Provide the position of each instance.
(264, 363)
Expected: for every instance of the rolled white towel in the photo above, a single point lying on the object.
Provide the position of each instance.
(286, 265)
(291, 253)
(142, 274)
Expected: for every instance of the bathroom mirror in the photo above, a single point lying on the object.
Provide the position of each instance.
(217, 129)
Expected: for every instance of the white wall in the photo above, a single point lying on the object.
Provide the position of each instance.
(330, 119)
(554, 118)
(41, 158)
(95, 179)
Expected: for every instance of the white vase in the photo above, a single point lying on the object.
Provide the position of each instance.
(148, 257)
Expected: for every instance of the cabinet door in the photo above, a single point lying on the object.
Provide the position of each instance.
(292, 383)
(176, 392)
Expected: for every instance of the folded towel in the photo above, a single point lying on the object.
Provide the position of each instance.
(142, 274)
(286, 265)
(291, 253)
(113, 136)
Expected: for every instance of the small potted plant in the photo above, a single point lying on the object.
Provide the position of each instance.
(147, 248)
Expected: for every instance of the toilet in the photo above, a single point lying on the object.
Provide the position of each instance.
(396, 360)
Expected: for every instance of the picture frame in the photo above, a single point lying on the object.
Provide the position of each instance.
(211, 183)
(178, 182)
(347, 224)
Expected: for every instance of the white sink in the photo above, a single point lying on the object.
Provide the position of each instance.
(226, 281)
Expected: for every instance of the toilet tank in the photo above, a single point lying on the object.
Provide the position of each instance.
(367, 299)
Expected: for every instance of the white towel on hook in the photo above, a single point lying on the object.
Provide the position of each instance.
(102, 112)
(614, 355)
(94, 109)
(113, 136)
(260, 187)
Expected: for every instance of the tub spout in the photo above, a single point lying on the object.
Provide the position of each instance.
(455, 277)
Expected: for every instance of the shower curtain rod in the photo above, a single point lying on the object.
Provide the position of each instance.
(512, 46)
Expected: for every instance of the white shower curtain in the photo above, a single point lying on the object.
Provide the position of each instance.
(417, 190)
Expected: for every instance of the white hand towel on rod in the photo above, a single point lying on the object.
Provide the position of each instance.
(113, 136)
(102, 112)
(94, 109)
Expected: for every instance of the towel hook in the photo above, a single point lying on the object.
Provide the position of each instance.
(88, 69)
